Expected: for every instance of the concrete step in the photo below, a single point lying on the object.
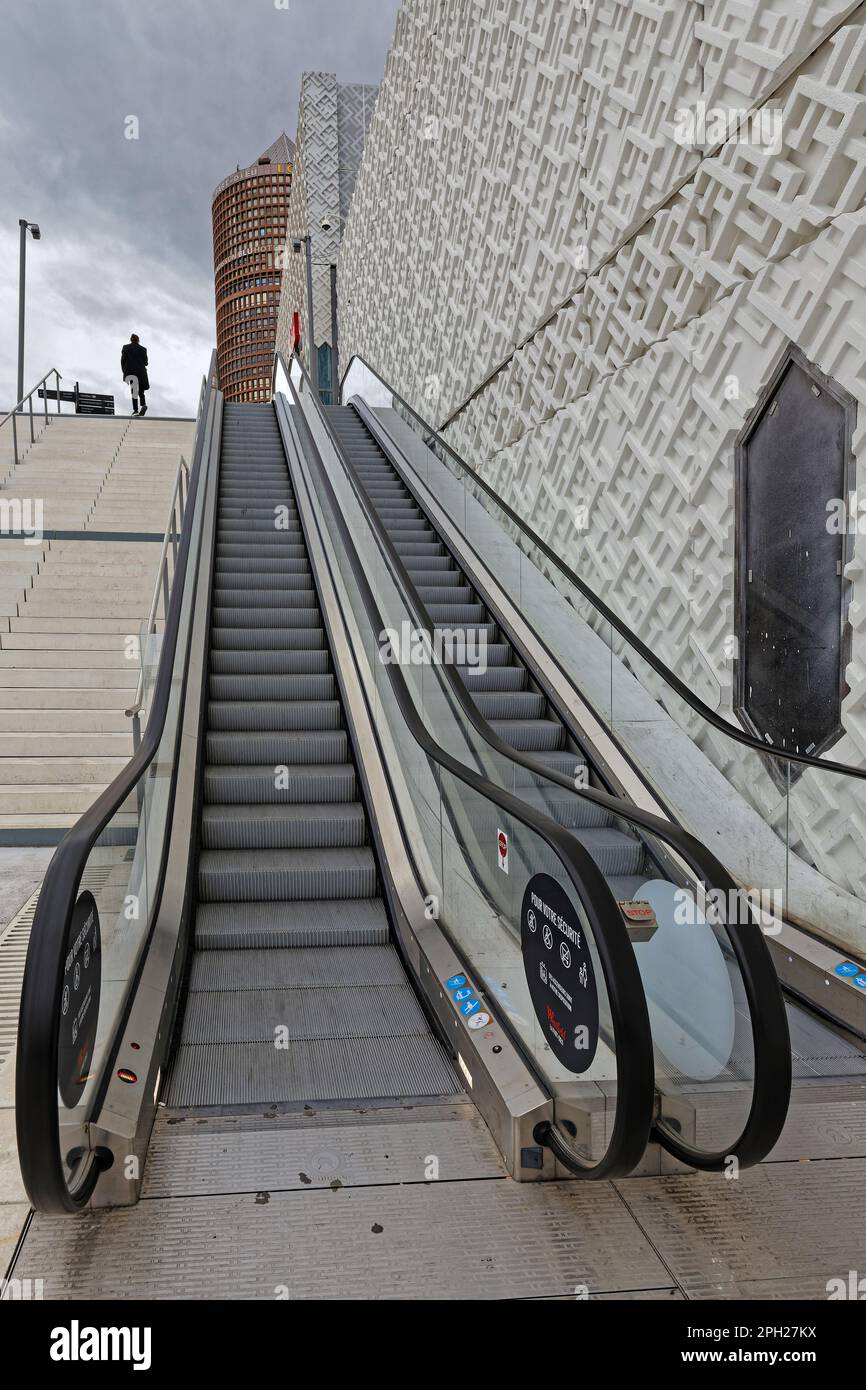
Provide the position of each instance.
(46, 772)
(25, 623)
(65, 678)
(66, 745)
(66, 660)
(32, 699)
(97, 571)
(35, 799)
(95, 587)
(63, 721)
(64, 641)
(60, 605)
(105, 552)
(28, 828)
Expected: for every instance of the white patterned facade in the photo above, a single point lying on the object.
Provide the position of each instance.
(557, 253)
(333, 119)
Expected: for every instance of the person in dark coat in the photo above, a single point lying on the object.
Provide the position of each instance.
(133, 363)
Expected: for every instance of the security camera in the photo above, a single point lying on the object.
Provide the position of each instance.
(327, 224)
(296, 246)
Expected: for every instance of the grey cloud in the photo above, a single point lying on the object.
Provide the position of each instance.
(212, 82)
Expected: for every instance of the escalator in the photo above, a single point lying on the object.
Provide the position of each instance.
(291, 936)
(410, 475)
(505, 695)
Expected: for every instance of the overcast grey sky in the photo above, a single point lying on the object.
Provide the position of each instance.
(126, 244)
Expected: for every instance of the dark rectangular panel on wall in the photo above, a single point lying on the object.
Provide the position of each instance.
(793, 479)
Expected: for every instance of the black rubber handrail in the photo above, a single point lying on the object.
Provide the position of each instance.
(679, 687)
(771, 1084)
(632, 1035)
(36, 1078)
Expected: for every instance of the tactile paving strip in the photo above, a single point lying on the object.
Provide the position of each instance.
(196, 1156)
(469, 1240)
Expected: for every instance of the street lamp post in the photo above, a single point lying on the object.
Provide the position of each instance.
(314, 361)
(33, 228)
(335, 352)
(314, 365)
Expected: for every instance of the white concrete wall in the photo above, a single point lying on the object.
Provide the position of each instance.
(332, 124)
(539, 261)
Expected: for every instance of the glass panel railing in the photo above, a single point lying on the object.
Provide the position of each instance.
(783, 826)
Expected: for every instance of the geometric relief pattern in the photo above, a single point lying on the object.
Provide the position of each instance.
(591, 309)
(332, 121)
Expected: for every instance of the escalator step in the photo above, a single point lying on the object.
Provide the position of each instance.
(530, 736)
(241, 651)
(257, 564)
(444, 594)
(265, 617)
(299, 968)
(258, 584)
(456, 614)
(246, 1015)
(569, 764)
(569, 810)
(249, 688)
(613, 851)
(302, 826)
(426, 564)
(350, 1069)
(307, 655)
(273, 926)
(289, 596)
(514, 704)
(494, 678)
(272, 550)
(276, 748)
(242, 784)
(271, 716)
(287, 875)
(444, 578)
(626, 887)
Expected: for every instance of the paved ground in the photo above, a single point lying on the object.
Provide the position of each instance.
(21, 871)
(781, 1231)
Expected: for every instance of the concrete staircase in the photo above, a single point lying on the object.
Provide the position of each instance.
(71, 609)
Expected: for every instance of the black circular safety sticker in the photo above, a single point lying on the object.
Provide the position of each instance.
(79, 1001)
(559, 972)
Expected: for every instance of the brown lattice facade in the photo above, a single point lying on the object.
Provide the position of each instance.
(249, 232)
